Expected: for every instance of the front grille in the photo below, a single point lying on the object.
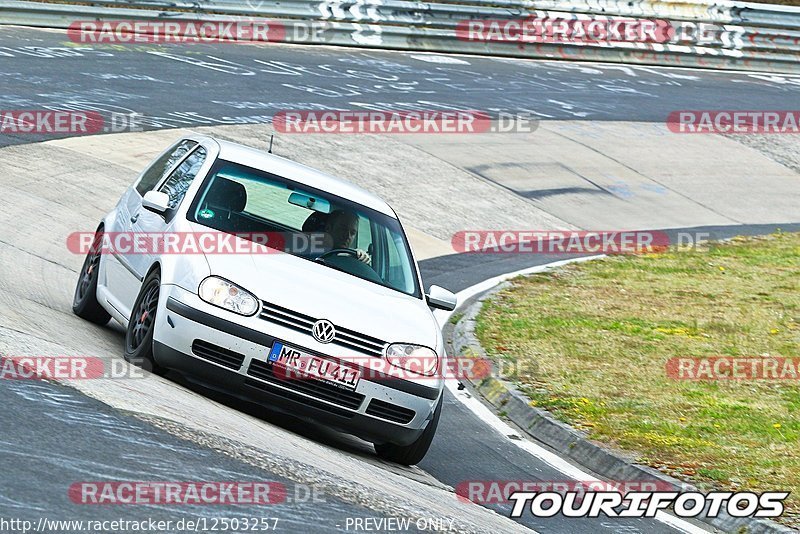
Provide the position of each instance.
(304, 323)
(213, 353)
(315, 388)
(392, 412)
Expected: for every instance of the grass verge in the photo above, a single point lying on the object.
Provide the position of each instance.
(600, 334)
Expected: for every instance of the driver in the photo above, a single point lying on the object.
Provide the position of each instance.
(342, 226)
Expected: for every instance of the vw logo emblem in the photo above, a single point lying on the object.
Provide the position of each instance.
(323, 331)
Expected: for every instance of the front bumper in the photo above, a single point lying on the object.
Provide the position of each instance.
(190, 333)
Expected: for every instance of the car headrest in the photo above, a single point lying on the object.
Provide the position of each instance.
(315, 222)
(227, 194)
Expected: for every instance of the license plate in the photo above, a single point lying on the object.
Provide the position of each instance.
(301, 365)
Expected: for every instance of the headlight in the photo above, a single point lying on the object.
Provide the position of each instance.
(220, 292)
(414, 358)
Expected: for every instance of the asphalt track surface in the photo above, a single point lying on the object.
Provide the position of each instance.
(87, 441)
(228, 84)
(202, 84)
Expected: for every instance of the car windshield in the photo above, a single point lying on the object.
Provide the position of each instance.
(310, 224)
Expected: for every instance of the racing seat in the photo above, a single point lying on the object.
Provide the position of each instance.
(315, 222)
(227, 199)
(314, 225)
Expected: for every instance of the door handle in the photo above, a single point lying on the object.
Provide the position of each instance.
(135, 218)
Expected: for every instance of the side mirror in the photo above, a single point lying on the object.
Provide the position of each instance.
(155, 201)
(441, 299)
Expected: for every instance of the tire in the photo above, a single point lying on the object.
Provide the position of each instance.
(414, 453)
(139, 334)
(84, 302)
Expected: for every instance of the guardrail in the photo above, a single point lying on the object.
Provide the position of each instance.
(693, 33)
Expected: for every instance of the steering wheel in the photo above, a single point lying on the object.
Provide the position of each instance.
(336, 251)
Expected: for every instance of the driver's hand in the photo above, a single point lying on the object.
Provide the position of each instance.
(363, 256)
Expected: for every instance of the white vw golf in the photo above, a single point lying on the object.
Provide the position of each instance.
(303, 294)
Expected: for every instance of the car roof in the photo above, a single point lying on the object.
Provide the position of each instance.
(297, 172)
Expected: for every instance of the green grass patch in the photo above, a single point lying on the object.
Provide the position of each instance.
(455, 318)
(600, 333)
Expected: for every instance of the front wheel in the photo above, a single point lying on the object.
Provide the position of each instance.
(414, 453)
(139, 334)
(84, 302)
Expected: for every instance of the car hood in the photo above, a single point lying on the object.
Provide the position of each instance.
(325, 293)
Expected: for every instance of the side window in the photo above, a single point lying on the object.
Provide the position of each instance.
(181, 178)
(159, 168)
